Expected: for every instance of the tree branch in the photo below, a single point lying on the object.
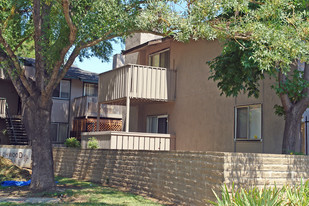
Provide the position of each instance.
(285, 100)
(229, 35)
(13, 58)
(21, 90)
(72, 36)
(22, 41)
(73, 29)
(305, 101)
(76, 52)
(39, 60)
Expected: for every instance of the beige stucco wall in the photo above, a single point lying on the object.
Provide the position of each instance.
(202, 119)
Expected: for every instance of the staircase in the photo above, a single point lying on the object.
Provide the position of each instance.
(16, 131)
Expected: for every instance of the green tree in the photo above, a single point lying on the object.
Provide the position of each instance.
(260, 37)
(59, 31)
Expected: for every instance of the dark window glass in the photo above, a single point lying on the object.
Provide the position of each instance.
(160, 59)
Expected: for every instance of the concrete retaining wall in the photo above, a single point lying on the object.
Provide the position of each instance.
(183, 178)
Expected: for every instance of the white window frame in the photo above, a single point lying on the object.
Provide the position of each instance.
(58, 131)
(157, 120)
(84, 88)
(248, 123)
(60, 88)
(156, 53)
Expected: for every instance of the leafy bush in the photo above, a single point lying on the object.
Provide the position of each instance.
(72, 142)
(93, 143)
(296, 195)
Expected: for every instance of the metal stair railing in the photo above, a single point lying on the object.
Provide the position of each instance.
(11, 123)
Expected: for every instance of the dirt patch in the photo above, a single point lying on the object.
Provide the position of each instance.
(9, 171)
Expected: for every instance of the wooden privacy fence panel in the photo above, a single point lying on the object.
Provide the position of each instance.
(90, 125)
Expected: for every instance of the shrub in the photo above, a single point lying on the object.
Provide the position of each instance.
(93, 143)
(296, 195)
(255, 196)
(72, 142)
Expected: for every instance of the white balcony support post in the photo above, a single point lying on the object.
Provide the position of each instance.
(98, 116)
(128, 99)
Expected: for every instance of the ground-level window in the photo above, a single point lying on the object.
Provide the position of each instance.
(59, 132)
(160, 59)
(62, 90)
(157, 124)
(248, 122)
(90, 89)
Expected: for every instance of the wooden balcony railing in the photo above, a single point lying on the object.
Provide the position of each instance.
(2, 107)
(138, 82)
(131, 140)
(88, 107)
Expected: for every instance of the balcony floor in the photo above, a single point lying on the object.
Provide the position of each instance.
(134, 101)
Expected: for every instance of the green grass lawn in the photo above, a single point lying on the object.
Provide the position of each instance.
(74, 192)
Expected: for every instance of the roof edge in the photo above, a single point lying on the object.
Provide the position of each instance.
(141, 46)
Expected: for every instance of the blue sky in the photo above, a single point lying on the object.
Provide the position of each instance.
(95, 65)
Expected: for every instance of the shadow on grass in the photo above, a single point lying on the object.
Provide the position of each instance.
(75, 192)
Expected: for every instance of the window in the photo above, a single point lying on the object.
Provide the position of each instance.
(63, 90)
(90, 89)
(157, 124)
(160, 59)
(59, 132)
(248, 122)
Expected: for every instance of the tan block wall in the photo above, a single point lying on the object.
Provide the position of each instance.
(248, 169)
(183, 178)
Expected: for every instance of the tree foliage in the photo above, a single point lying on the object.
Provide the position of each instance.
(56, 32)
(235, 70)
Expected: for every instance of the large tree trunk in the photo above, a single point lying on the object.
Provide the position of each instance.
(292, 130)
(37, 114)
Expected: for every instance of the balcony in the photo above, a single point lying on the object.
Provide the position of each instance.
(130, 140)
(88, 107)
(139, 83)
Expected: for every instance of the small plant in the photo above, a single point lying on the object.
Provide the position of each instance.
(93, 143)
(72, 142)
(288, 195)
(295, 153)
(5, 132)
